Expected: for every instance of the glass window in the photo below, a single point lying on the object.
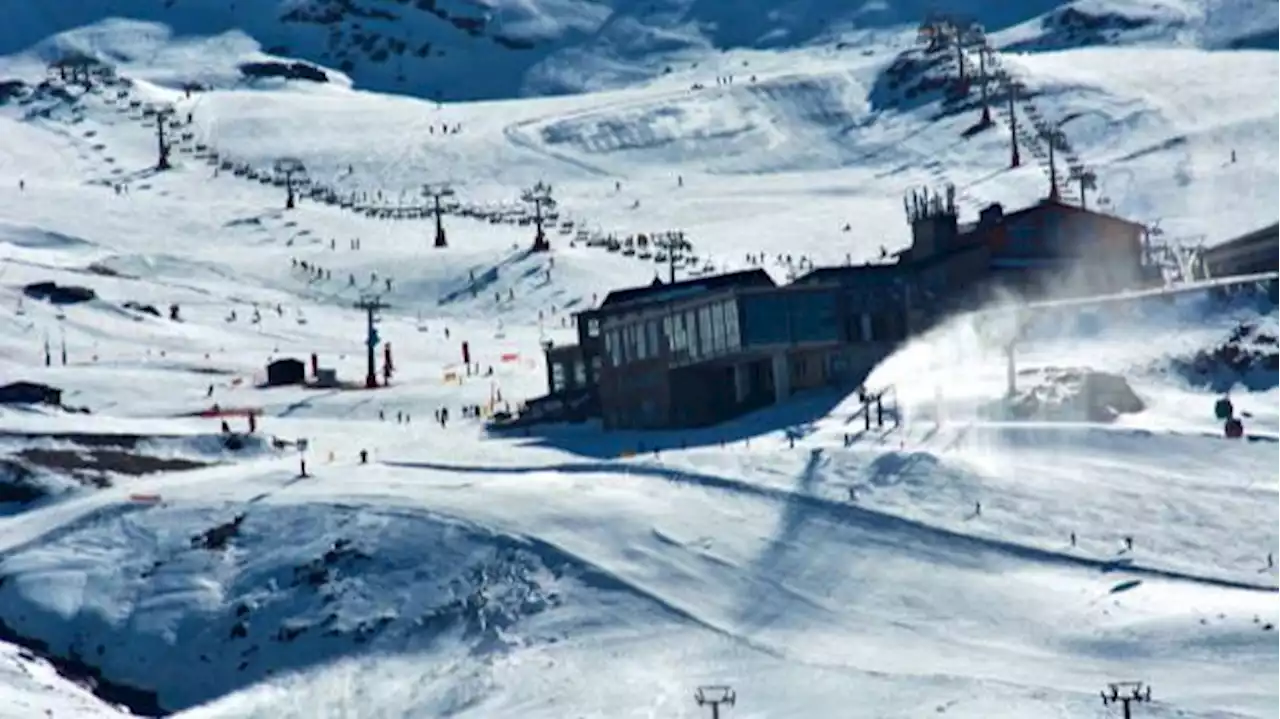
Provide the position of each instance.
(764, 320)
(596, 365)
(580, 373)
(655, 349)
(668, 336)
(557, 377)
(593, 327)
(732, 339)
(691, 328)
(642, 343)
(705, 345)
(717, 327)
(813, 316)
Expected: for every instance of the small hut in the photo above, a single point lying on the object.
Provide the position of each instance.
(286, 371)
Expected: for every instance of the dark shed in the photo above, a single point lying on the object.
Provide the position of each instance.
(30, 393)
(286, 371)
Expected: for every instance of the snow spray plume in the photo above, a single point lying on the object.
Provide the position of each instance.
(955, 366)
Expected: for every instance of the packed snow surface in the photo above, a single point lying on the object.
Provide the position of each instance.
(941, 564)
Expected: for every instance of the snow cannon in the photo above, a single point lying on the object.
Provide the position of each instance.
(1223, 409)
(1233, 428)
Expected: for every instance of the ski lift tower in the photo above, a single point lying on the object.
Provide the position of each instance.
(436, 191)
(164, 116)
(1125, 694)
(539, 198)
(371, 304)
(713, 696)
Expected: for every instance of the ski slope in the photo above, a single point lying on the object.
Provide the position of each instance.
(918, 571)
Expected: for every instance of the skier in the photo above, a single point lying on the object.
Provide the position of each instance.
(977, 509)
(1128, 543)
(1073, 539)
(364, 456)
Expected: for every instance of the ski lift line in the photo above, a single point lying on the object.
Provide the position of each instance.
(1199, 285)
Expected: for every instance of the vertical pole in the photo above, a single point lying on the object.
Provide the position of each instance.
(162, 147)
(371, 373)
(1011, 369)
(673, 241)
(1052, 138)
(537, 221)
(982, 83)
(1015, 160)
(440, 240)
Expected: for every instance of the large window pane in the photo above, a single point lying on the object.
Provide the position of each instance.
(691, 327)
(613, 347)
(764, 320)
(705, 344)
(717, 327)
(642, 342)
(813, 316)
(732, 338)
(655, 349)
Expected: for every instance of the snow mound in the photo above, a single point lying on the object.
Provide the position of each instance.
(36, 466)
(145, 596)
(1070, 394)
(31, 687)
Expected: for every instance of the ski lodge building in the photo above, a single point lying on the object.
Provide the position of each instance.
(701, 351)
(1252, 253)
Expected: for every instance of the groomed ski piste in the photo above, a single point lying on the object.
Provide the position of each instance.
(923, 568)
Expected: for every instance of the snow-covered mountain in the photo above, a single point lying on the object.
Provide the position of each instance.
(968, 563)
(487, 49)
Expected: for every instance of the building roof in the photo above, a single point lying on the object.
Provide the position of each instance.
(664, 292)
(1047, 204)
(846, 275)
(1260, 236)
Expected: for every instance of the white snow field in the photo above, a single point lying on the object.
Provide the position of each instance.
(924, 570)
